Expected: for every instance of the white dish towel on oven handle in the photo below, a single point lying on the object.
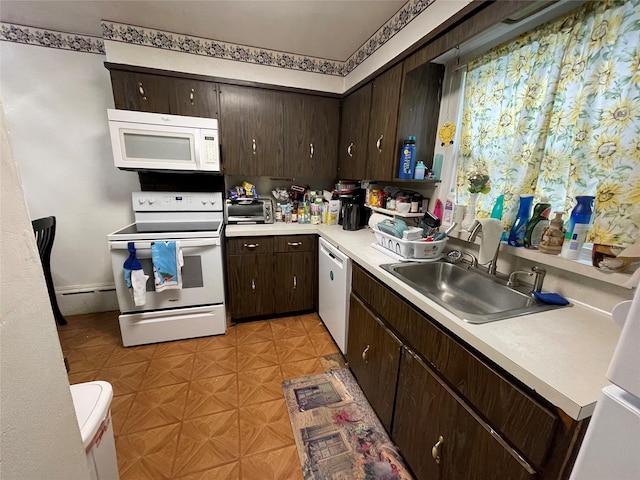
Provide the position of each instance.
(135, 277)
(167, 265)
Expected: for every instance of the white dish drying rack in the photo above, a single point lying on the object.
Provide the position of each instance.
(408, 250)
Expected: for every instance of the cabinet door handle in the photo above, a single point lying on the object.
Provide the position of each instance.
(365, 359)
(253, 284)
(295, 282)
(191, 96)
(253, 145)
(435, 451)
(294, 244)
(379, 143)
(350, 149)
(141, 90)
(251, 245)
(311, 150)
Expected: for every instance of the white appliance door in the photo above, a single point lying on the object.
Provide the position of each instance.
(611, 446)
(334, 287)
(202, 279)
(167, 325)
(624, 369)
(154, 146)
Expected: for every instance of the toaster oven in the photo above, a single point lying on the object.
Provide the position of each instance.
(249, 210)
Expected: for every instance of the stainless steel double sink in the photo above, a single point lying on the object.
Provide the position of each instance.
(473, 296)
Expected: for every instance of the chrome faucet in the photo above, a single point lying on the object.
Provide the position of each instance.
(492, 265)
(513, 277)
(455, 256)
(472, 259)
(537, 282)
(539, 272)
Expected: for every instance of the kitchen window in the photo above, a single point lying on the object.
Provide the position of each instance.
(556, 113)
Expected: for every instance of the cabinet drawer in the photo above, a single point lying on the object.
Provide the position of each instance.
(240, 245)
(509, 408)
(295, 243)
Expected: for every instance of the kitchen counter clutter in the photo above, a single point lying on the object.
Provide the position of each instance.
(563, 355)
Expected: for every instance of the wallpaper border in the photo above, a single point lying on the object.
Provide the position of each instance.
(136, 35)
(51, 39)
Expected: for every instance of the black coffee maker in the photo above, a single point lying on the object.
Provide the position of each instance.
(353, 214)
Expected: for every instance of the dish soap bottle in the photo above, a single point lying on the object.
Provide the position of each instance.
(553, 236)
(449, 205)
(496, 211)
(407, 158)
(539, 220)
(516, 235)
(578, 226)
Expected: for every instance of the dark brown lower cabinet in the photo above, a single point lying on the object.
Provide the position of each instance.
(271, 275)
(294, 281)
(250, 284)
(441, 437)
(492, 426)
(373, 353)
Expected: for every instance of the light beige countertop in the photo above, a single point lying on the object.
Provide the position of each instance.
(561, 354)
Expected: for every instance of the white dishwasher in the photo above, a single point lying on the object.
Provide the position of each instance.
(334, 287)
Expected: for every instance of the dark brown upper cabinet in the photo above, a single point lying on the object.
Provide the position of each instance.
(140, 91)
(354, 134)
(383, 121)
(194, 98)
(419, 111)
(251, 125)
(310, 135)
(164, 94)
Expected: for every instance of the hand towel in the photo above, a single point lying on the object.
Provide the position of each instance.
(167, 265)
(135, 277)
(491, 233)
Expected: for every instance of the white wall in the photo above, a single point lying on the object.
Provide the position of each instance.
(39, 435)
(56, 103)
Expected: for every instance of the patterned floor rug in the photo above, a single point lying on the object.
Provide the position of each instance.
(337, 433)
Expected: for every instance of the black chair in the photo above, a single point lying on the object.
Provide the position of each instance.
(45, 231)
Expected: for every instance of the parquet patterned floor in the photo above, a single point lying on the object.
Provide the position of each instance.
(206, 408)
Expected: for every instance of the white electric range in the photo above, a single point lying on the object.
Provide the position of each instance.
(194, 220)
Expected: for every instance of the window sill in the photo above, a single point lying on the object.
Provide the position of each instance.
(581, 266)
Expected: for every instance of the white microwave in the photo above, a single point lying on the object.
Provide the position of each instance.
(155, 141)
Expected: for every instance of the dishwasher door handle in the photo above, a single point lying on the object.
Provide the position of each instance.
(334, 258)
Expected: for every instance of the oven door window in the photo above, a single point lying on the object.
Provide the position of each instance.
(191, 272)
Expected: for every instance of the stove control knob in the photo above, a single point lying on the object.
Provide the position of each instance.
(141, 200)
(203, 200)
(152, 200)
(213, 201)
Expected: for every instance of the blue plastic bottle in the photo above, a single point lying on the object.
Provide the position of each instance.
(408, 158)
(496, 212)
(516, 235)
(577, 227)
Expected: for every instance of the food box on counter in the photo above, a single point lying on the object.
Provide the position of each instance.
(418, 249)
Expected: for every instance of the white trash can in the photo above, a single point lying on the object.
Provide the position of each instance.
(91, 401)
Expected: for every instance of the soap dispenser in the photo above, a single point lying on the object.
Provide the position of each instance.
(553, 236)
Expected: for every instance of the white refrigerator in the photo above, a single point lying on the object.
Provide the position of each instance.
(611, 446)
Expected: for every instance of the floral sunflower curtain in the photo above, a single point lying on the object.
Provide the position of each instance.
(557, 113)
